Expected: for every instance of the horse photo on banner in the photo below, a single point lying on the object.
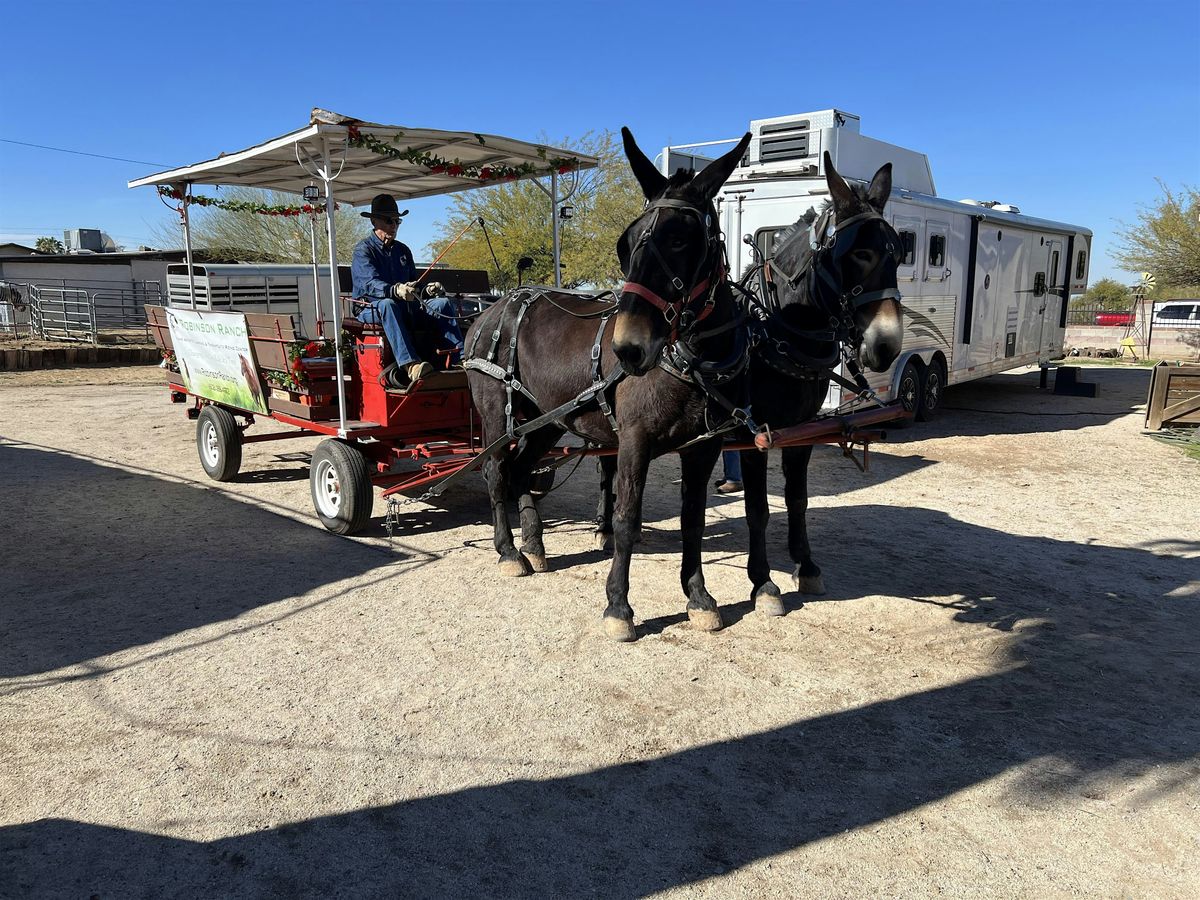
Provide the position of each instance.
(215, 359)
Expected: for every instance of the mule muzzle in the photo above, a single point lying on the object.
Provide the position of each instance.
(635, 342)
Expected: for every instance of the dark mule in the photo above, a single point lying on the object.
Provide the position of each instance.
(850, 278)
(823, 290)
(556, 349)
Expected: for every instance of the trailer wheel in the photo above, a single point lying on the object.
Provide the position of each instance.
(219, 442)
(931, 395)
(910, 390)
(340, 480)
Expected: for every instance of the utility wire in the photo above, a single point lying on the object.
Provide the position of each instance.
(140, 162)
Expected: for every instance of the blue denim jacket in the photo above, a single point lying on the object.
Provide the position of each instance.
(375, 268)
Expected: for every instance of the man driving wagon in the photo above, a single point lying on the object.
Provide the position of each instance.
(385, 281)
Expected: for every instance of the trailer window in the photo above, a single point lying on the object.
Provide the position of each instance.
(908, 240)
(937, 250)
(1054, 269)
(1080, 264)
(767, 239)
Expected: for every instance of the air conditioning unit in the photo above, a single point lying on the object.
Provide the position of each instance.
(794, 139)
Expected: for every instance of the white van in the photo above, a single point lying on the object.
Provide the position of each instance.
(1177, 314)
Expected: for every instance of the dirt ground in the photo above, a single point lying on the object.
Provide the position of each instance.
(203, 693)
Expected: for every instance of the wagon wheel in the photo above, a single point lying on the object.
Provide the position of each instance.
(340, 480)
(931, 396)
(219, 442)
(910, 390)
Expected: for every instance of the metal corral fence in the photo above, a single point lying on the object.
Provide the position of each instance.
(92, 312)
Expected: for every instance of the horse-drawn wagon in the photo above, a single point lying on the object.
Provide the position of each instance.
(236, 367)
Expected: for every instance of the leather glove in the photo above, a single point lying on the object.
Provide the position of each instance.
(435, 289)
(404, 292)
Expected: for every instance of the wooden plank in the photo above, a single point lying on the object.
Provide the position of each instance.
(1160, 374)
(1176, 411)
(1184, 382)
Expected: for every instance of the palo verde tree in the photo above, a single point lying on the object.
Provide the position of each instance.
(249, 236)
(1107, 293)
(1165, 240)
(517, 218)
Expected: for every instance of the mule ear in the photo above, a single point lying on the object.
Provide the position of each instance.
(651, 180)
(838, 189)
(712, 176)
(881, 187)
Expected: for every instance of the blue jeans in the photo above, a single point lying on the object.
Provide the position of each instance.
(399, 319)
(732, 461)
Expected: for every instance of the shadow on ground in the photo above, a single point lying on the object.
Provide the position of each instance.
(99, 558)
(1098, 686)
(1012, 403)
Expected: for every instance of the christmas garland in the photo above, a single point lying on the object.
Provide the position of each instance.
(262, 209)
(438, 165)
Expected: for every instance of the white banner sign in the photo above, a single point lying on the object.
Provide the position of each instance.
(215, 360)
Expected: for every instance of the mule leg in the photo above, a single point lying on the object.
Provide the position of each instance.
(603, 535)
(763, 591)
(496, 470)
(633, 461)
(807, 574)
(535, 447)
(696, 464)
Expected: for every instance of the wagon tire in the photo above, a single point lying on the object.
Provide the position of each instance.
(219, 443)
(931, 393)
(340, 480)
(909, 391)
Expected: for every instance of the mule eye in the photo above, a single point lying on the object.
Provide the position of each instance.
(863, 256)
(678, 244)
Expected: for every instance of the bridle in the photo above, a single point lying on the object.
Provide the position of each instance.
(679, 314)
(819, 262)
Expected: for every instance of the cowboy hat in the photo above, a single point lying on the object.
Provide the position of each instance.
(384, 206)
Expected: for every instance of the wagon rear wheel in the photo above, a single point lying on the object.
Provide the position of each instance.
(219, 443)
(340, 480)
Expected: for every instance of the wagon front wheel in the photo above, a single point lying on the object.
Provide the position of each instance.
(219, 442)
(340, 479)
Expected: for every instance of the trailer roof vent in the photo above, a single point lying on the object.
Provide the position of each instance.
(795, 137)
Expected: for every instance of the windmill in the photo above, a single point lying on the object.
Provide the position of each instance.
(1136, 331)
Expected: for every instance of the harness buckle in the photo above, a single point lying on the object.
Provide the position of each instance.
(596, 351)
(677, 283)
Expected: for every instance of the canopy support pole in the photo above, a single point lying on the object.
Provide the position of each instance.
(334, 287)
(554, 220)
(312, 234)
(187, 246)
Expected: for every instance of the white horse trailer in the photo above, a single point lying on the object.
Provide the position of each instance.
(985, 288)
(283, 289)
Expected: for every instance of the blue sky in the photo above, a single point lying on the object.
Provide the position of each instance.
(1070, 110)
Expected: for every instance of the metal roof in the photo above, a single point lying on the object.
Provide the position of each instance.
(274, 164)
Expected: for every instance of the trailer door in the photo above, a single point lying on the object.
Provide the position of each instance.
(1055, 297)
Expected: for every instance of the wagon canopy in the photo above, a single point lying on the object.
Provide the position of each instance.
(404, 162)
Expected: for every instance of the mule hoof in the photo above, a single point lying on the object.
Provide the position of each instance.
(767, 600)
(619, 629)
(513, 568)
(705, 619)
(537, 562)
(808, 584)
(602, 540)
